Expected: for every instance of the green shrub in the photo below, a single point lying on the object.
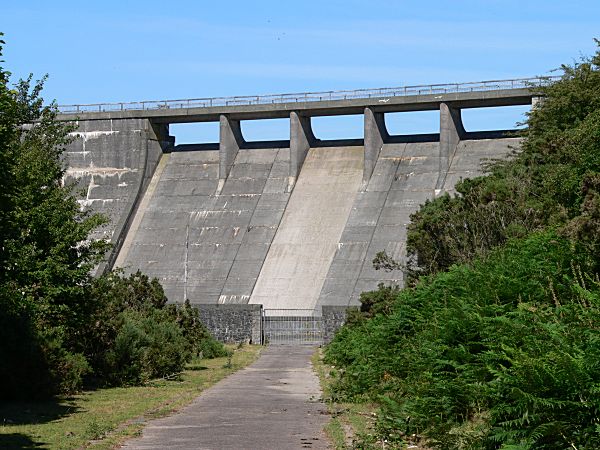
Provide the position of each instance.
(200, 342)
(145, 347)
(551, 181)
(135, 336)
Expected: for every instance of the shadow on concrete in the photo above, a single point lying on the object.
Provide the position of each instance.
(412, 138)
(396, 139)
(195, 147)
(494, 134)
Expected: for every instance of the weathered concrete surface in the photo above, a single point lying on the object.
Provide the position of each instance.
(112, 161)
(272, 404)
(307, 238)
(212, 248)
(404, 177)
(202, 246)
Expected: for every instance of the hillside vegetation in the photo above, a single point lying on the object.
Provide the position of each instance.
(495, 343)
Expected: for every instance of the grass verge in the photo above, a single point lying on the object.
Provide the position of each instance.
(351, 424)
(104, 418)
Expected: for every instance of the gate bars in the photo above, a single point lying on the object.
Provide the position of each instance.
(292, 327)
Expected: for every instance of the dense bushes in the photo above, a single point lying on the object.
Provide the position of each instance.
(145, 347)
(59, 327)
(496, 343)
(135, 336)
(475, 353)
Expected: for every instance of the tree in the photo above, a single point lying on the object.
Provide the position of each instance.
(45, 257)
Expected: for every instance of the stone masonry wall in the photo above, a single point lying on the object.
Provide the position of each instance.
(232, 323)
(333, 318)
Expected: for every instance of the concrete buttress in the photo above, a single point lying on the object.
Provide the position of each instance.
(301, 139)
(230, 141)
(451, 132)
(375, 135)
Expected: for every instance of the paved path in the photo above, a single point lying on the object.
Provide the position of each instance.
(271, 404)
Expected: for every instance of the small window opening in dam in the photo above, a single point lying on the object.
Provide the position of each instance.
(328, 128)
(496, 118)
(195, 133)
(413, 122)
(264, 130)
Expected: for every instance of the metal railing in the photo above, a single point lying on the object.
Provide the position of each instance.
(474, 86)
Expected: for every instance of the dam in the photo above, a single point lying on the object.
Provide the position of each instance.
(285, 225)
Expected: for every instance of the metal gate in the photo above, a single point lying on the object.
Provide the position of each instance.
(292, 327)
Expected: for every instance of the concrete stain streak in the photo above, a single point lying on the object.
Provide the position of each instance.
(79, 172)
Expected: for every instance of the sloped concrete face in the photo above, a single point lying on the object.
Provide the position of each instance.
(111, 162)
(404, 177)
(206, 247)
(254, 243)
(307, 238)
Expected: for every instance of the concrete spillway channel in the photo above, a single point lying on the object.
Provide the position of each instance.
(306, 241)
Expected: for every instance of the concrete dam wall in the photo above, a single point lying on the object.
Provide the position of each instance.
(293, 224)
(256, 242)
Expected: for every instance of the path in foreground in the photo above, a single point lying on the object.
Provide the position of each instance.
(271, 404)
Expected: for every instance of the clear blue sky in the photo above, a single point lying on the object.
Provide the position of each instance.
(140, 50)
